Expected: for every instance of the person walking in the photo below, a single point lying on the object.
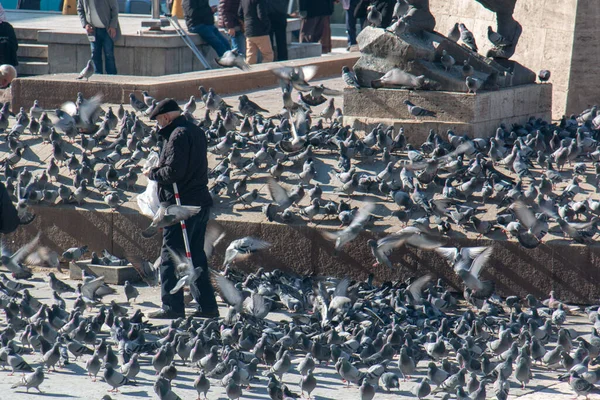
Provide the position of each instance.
(183, 161)
(8, 41)
(315, 25)
(200, 19)
(278, 13)
(100, 19)
(350, 8)
(258, 27)
(229, 20)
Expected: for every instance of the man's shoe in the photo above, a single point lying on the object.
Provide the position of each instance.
(164, 314)
(206, 314)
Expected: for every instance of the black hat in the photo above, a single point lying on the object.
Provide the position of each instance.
(164, 106)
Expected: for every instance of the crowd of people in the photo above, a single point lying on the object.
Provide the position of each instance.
(256, 29)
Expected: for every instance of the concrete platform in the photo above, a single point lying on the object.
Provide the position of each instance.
(52, 90)
(475, 115)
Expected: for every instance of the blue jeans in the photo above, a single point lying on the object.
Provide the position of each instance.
(238, 42)
(213, 37)
(351, 26)
(104, 42)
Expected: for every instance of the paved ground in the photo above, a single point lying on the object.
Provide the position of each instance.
(72, 382)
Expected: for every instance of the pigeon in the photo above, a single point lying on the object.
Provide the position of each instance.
(130, 291)
(349, 77)
(168, 215)
(31, 380)
(231, 58)
(467, 38)
(88, 71)
(417, 111)
(243, 247)
(544, 75)
(114, 378)
(497, 39)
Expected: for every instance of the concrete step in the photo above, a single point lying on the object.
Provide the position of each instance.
(30, 50)
(26, 34)
(32, 68)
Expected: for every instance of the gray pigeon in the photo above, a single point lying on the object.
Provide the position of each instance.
(130, 291)
(417, 111)
(231, 58)
(467, 38)
(88, 71)
(31, 380)
(114, 378)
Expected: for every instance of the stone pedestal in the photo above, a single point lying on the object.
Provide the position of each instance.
(477, 115)
(560, 36)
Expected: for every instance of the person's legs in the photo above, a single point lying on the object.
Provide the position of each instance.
(307, 30)
(279, 27)
(325, 34)
(251, 51)
(97, 51)
(197, 229)
(351, 27)
(238, 42)
(213, 37)
(172, 239)
(264, 45)
(109, 55)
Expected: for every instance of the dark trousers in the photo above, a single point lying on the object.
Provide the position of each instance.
(279, 36)
(103, 43)
(173, 239)
(316, 29)
(351, 21)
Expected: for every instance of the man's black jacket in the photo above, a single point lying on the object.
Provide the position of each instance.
(197, 12)
(183, 161)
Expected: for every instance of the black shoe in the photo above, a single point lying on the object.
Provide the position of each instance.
(214, 313)
(164, 314)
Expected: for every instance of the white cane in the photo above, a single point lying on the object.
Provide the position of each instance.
(186, 240)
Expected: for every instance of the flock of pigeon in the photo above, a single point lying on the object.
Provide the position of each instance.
(377, 336)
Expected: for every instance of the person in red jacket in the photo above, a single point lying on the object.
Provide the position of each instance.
(229, 20)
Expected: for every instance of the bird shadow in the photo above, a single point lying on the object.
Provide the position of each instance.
(46, 394)
(138, 393)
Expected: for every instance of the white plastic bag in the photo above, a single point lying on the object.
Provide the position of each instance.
(148, 201)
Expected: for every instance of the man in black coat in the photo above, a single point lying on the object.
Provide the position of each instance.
(182, 162)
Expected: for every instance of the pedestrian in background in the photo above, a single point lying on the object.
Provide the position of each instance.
(278, 14)
(352, 17)
(8, 41)
(315, 26)
(229, 20)
(200, 19)
(100, 19)
(257, 26)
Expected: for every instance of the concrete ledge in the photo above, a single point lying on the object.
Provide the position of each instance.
(115, 275)
(477, 115)
(571, 270)
(52, 90)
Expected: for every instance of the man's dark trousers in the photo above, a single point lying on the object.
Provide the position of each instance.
(173, 239)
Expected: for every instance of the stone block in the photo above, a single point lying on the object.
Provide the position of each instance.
(114, 275)
(478, 114)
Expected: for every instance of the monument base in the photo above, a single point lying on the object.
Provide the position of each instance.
(477, 115)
